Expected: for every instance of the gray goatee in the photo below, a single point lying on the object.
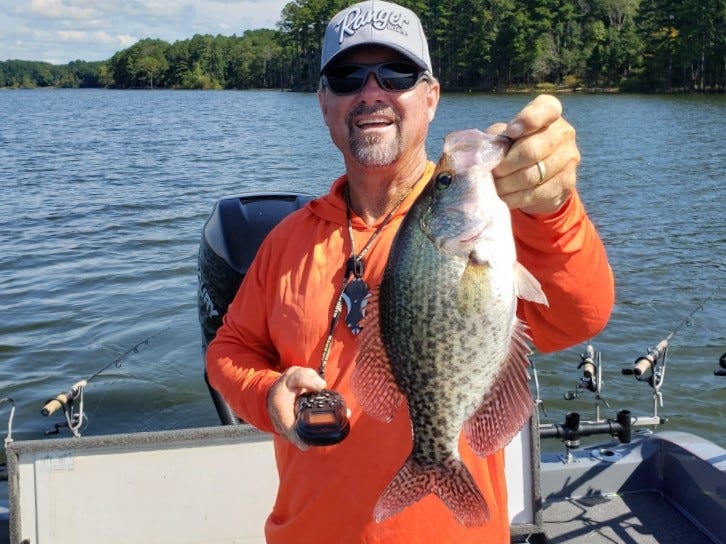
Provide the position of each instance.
(369, 149)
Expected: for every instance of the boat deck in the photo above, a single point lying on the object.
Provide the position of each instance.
(643, 518)
(664, 489)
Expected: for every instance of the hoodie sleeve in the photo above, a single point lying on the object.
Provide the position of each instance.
(565, 253)
(241, 362)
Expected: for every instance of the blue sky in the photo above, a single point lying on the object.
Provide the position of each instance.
(59, 31)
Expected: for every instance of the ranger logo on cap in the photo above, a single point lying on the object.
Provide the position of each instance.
(379, 19)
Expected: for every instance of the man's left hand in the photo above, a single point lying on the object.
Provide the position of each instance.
(539, 173)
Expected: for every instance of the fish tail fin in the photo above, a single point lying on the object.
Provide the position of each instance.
(450, 481)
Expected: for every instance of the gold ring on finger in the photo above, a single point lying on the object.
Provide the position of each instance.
(541, 170)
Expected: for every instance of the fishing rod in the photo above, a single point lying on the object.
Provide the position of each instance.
(66, 400)
(651, 367)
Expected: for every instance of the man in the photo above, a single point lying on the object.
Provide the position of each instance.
(378, 96)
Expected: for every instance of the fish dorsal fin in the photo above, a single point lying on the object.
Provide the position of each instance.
(372, 381)
(527, 286)
(473, 288)
(509, 403)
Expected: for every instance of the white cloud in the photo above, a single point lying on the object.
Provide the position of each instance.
(60, 31)
(86, 37)
(61, 9)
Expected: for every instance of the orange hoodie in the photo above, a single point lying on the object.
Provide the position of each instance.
(280, 318)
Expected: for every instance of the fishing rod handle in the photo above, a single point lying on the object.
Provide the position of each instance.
(54, 404)
(643, 364)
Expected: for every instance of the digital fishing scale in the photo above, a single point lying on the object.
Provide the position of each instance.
(321, 418)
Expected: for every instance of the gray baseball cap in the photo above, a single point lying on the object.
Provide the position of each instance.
(376, 22)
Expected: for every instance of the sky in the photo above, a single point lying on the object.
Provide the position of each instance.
(60, 31)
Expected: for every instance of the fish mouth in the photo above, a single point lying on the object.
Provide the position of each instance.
(473, 235)
(464, 243)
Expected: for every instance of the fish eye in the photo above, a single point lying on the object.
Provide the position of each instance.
(443, 180)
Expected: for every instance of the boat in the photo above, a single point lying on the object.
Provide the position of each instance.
(634, 486)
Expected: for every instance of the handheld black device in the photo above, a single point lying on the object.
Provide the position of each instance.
(322, 418)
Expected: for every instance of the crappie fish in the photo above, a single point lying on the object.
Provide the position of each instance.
(442, 331)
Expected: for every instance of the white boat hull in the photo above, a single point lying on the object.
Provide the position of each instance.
(218, 484)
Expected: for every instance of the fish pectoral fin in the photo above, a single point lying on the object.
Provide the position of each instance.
(473, 288)
(509, 403)
(450, 481)
(526, 285)
(372, 382)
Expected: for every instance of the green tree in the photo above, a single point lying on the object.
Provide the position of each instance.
(304, 22)
(613, 42)
(684, 44)
(141, 65)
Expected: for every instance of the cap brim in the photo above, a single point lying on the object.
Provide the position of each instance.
(332, 60)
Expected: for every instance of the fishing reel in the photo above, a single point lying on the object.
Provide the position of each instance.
(591, 379)
(722, 363)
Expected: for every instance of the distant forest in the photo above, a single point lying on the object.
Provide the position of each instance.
(476, 45)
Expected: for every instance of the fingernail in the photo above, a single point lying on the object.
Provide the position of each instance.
(514, 130)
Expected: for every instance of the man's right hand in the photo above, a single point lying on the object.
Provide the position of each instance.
(281, 400)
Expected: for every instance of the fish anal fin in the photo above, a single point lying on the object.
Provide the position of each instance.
(450, 481)
(527, 286)
(473, 287)
(508, 406)
(372, 382)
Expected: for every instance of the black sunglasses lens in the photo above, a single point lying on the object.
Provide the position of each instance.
(395, 76)
(346, 79)
(398, 76)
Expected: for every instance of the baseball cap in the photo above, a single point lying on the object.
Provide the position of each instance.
(376, 22)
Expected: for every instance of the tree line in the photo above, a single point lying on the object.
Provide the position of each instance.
(476, 45)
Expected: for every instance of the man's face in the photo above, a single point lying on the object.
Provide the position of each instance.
(375, 127)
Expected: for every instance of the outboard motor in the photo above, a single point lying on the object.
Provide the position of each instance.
(230, 240)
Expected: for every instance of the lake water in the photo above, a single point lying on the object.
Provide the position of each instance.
(104, 194)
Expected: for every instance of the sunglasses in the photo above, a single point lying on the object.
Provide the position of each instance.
(391, 76)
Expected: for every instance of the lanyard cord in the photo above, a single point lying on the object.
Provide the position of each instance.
(354, 266)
